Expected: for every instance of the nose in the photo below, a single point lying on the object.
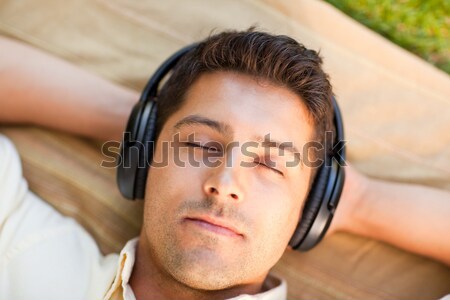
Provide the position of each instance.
(225, 182)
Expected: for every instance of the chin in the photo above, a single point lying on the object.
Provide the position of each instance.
(208, 281)
(203, 269)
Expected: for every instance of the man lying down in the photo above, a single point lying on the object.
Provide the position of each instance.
(229, 188)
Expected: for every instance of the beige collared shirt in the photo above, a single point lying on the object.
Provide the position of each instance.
(44, 255)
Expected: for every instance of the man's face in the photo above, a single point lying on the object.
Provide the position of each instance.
(226, 222)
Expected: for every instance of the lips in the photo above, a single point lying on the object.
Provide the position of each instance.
(215, 225)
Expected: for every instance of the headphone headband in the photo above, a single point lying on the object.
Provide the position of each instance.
(151, 88)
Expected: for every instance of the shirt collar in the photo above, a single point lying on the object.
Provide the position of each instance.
(121, 290)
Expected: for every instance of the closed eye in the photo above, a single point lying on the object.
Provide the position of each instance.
(269, 168)
(196, 145)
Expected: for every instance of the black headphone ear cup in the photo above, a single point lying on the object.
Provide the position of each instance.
(133, 166)
(145, 158)
(312, 206)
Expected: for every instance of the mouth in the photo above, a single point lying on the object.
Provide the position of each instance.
(213, 225)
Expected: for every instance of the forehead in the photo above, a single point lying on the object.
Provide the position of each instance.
(249, 106)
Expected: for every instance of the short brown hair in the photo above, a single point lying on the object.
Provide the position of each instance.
(278, 59)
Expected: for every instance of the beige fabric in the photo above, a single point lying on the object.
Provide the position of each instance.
(396, 111)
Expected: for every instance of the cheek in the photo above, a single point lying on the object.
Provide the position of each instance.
(278, 219)
(171, 181)
(275, 215)
(280, 203)
(157, 194)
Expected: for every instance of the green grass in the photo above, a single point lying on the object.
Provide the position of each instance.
(420, 26)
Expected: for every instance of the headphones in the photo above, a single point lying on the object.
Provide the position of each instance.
(132, 170)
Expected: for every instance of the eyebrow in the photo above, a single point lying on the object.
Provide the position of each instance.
(220, 127)
(285, 146)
